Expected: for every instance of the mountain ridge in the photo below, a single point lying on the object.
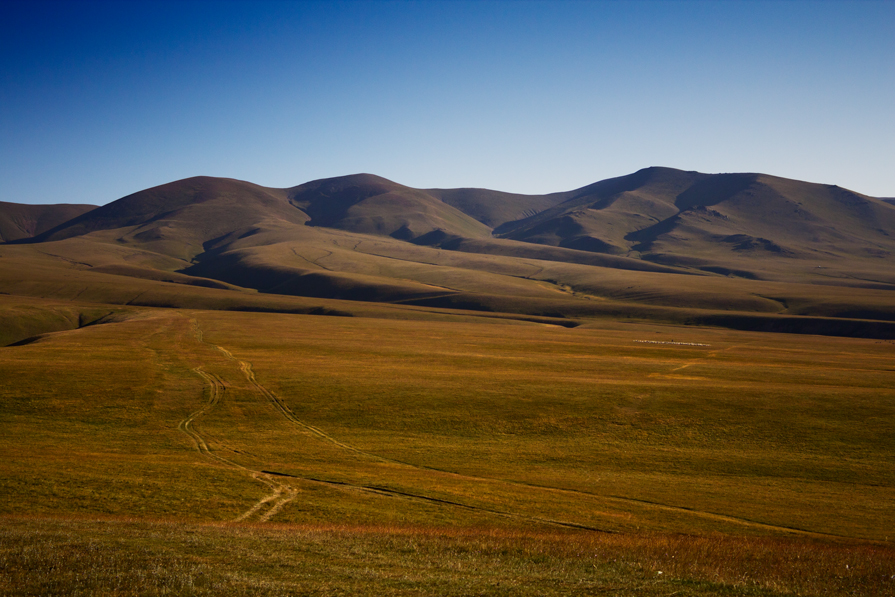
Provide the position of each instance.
(731, 223)
(620, 215)
(657, 243)
(713, 222)
(21, 220)
(640, 212)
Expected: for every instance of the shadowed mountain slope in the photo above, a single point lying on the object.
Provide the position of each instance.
(19, 221)
(189, 217)
(495, 208)
(675, 217)
(181, 219)
(657, 244)
(657, 214)
(373, 205)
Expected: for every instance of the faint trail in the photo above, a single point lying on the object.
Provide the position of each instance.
(723, 518)
(281, 492)
(687, 365)
(426, 499)
(226, 352)
(246, 368)
(217, 389)
(136, 297)
(402, 259)
(681, 510)
(66, 259)
(284, 410)
(314, 262)
(531, 276)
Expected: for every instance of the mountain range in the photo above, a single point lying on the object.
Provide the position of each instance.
(740, 250)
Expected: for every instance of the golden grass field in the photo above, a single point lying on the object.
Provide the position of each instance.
(353, 387)
(209, 452)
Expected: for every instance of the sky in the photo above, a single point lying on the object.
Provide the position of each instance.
(102, 99)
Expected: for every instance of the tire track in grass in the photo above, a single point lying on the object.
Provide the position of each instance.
(394, 493)
(280, 496)
(281, 493)
(266, 475)
(284, 410)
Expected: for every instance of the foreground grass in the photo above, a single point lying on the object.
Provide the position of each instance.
(789, 431)
(519, 427)
(94, 557)
(732, 463)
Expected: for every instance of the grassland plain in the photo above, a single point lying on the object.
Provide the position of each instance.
(385, 456)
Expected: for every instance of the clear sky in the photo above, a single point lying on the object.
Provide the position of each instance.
(102, 99)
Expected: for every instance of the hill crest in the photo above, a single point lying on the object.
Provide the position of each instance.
(20, 221)
(737, 223)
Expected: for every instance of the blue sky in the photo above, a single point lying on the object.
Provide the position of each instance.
(102, 99)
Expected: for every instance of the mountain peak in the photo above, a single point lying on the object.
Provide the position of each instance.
(339, 183)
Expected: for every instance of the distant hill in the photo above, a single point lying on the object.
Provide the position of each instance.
(674, 216)
(18, 221)
(657, 214)
(374, 205)
(180, 218)
(495, 208)
(741, 250)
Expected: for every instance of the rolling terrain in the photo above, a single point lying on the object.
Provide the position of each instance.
(746, 251)
(18, 221)
(663, 383)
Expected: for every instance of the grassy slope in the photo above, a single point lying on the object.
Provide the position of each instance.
(226, 234)
(495, 208)
(746, 225)
(749, 225)
(18, 221)
(144, 558)
(331, 264)
(373, 205)
(707, 428)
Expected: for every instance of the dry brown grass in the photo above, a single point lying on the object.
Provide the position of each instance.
(333, 264)
(506, 425)
(119, 557)
(427, 457)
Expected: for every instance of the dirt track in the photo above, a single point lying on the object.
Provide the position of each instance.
(282, 493)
